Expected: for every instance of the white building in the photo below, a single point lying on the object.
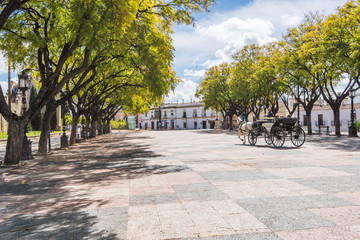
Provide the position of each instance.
(323, 115)
(190, 115)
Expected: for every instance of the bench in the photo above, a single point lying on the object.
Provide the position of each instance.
(323, 129)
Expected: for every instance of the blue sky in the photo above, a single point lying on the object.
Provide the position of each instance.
(228, 26)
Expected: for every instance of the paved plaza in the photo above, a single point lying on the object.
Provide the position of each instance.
(185, 185)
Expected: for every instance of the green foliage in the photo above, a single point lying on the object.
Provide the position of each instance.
(68, 119)
(357, 124)
(54, 122)
(120, 124)
(28, 128)
(36, 121)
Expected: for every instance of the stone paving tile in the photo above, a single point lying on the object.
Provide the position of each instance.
(355, 229)
(237, 217)
(114, 220)
(342, 216)
(143, 223)
(326, 162)
(207, 220)
(175, 221)
(276, 164)
(65, 225)
(264, 188)
(353, 197)
(153, 199)
(352, 169)
(185, 178)
(332, 184)
(328, 233)
(246, 236)
(305, 172)
(185, 185)
(236, 176)
(291, 220)
(206, 167)
(199, 192)
(291, 203)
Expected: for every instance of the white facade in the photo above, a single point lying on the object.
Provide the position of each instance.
(190, 115)
(323, 113)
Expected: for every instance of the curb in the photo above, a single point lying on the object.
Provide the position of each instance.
(33, 137)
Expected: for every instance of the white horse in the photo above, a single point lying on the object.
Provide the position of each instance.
(244, 128)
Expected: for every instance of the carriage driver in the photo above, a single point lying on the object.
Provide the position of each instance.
(270, 113)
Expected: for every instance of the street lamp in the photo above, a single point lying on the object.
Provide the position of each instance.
(24, 85)
(352, 127)
(64, 143)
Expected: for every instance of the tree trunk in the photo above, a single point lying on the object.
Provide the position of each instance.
(109, 126)
(93, 128)
(308, 120)
(99, 127)
(336, 111)
(87, 124)
(73, 128)
(14, 142)
(104, 125)
(45, 128)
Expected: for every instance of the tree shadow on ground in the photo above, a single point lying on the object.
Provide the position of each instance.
(217, 131)
(50, 198)
(66, 225)
(344, 143)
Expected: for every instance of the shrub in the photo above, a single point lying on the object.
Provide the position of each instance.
(120, 124)
(357, 124)
(28, 128)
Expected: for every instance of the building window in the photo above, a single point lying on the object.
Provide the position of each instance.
(146, 114)
(305, 120)
(194, 113)
(320, 119)
(184, 125)
(184, 114)
(172, 113)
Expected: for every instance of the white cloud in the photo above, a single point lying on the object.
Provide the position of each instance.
(236, 32)
(219, 35)
(4, 86)
(291, 21)
(194, 73)
(184, 91)
(3, 64)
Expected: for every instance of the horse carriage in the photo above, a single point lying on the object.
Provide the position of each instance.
(274, 131)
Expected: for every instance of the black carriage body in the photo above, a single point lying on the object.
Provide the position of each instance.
(286, 123)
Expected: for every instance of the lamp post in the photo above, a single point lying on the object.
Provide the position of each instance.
(24, 86)
(64, 143)
(352, 127)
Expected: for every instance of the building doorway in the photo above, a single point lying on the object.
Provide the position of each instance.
(320, 120)
(204, 124)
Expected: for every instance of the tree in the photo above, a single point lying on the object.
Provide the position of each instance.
(36, 121)
(215, 91)
(299, 65)
(340, 55)
(50, 35)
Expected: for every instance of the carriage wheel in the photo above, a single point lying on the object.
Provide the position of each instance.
(252, 138)
(297, 136)
(267, 137)
(278, 137)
